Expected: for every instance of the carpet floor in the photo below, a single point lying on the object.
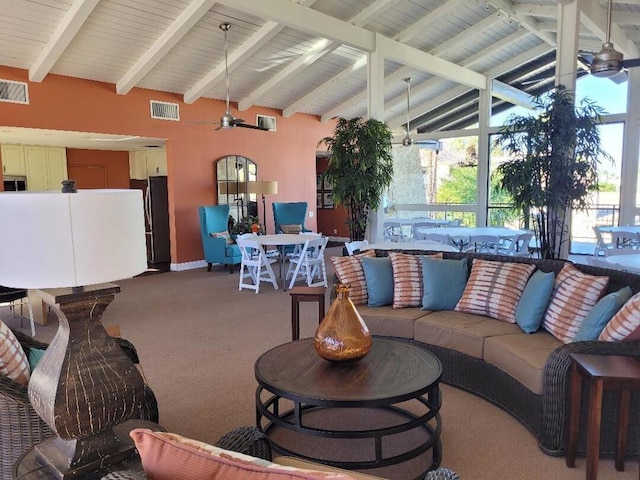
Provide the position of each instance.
(198, 338)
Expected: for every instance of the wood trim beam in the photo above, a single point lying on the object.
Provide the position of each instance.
(178, 29)
(61, 38)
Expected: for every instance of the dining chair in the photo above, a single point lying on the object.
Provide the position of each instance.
(356, 245)
(443, 238)
(483, 243)
(255, 265)
(517, 246)
(309, 264)
(393, 232)
(14, 297)
(455, 223)
(602, 245)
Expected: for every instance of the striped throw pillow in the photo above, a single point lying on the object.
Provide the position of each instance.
(13, 361)
(407, 279)
(574, 295)
(625, 325)
(349, 272)
(494, 289)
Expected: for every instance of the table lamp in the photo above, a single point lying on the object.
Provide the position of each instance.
(71, 244)
(263, 188)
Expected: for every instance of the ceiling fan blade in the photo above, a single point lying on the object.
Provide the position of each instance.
(248, 125)
(632, 62)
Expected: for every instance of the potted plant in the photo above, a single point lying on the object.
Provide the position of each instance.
(249, 224)
(360, 168)
(554, 165)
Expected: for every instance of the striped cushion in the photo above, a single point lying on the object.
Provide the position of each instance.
(494, 289)
(625, 325)
(13, 361)
(349, 272)
(574, 295)
(407, 279)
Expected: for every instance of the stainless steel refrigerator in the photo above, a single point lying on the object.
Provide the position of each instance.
(156, 208)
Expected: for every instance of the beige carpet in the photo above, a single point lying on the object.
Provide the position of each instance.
(198, 338)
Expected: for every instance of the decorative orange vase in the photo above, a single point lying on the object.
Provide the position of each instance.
(342, 335)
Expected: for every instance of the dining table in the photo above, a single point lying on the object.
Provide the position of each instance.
(416, 245)
(281, 240)
(628, 262)
(459, 235)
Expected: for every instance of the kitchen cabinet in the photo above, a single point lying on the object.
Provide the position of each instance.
(46, 167)
(13, 160)
(147, 163)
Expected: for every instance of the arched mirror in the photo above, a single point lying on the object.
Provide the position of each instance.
(233, 172)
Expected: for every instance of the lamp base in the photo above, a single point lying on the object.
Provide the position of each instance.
(68, 459)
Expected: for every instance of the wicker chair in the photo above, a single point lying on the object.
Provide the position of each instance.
(20, 425)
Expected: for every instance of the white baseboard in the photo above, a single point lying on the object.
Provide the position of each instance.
(178, 267)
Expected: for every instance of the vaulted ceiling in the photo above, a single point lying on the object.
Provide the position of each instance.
(305, 56)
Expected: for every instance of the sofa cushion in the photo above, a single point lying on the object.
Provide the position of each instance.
(378, 274)
(390, 321)
(522, 356)
(601, 314)
(443, 282)
(575, 293)
(13, 361)
(407, 279)
(349, 272)
(494, 289)
(464, 332)
(625, 325)
(534, 300)
(168, 456)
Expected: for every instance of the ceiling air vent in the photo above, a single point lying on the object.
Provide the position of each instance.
(165, 110)
(14, 92)
(267, 122)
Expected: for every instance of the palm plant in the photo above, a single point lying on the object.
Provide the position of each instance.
(554, 165)
(360, 168)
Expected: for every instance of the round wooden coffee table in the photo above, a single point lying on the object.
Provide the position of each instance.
(301, 394)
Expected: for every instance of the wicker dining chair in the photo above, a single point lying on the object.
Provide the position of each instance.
(20, 425)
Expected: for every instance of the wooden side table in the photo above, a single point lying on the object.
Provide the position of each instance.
(603, 372)
(304, 294)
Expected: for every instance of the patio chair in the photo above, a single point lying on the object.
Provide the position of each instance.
(310, 264)
(517, 246)
(393, 232)
(255, 265)
(356, 245)
(14, 297)
(483, 243)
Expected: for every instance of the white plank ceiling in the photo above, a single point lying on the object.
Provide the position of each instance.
(304, 56)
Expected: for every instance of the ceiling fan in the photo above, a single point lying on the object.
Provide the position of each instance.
(228, 120)
(608, 61)
(407, 140)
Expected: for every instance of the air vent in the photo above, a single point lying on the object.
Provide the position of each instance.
(165, 110)
(267, 122)
(14, 92)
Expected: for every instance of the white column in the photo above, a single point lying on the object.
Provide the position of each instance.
(484, 119)
(631, 142)
(375, 109)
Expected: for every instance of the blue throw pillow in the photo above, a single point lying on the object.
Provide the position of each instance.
(378, 273)
(35, 354)
(601, 313)
(534, 300)
(444, 282)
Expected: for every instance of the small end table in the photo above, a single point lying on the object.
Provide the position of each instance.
(305, 294)
(603, 372)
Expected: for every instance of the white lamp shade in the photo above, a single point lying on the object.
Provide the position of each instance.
(54, 239)
(263, 186)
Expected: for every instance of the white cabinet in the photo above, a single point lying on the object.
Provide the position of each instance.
(13, 160)
(44, 167)
(147, 163)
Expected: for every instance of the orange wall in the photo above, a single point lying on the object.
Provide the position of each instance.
(288, 155)
(116, 165)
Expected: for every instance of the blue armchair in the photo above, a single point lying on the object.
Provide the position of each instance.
(292, 213)
(213, 219)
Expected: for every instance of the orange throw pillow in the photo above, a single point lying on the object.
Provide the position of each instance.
(350, 272)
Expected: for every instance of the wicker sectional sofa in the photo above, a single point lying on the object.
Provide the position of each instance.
(527, 375)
